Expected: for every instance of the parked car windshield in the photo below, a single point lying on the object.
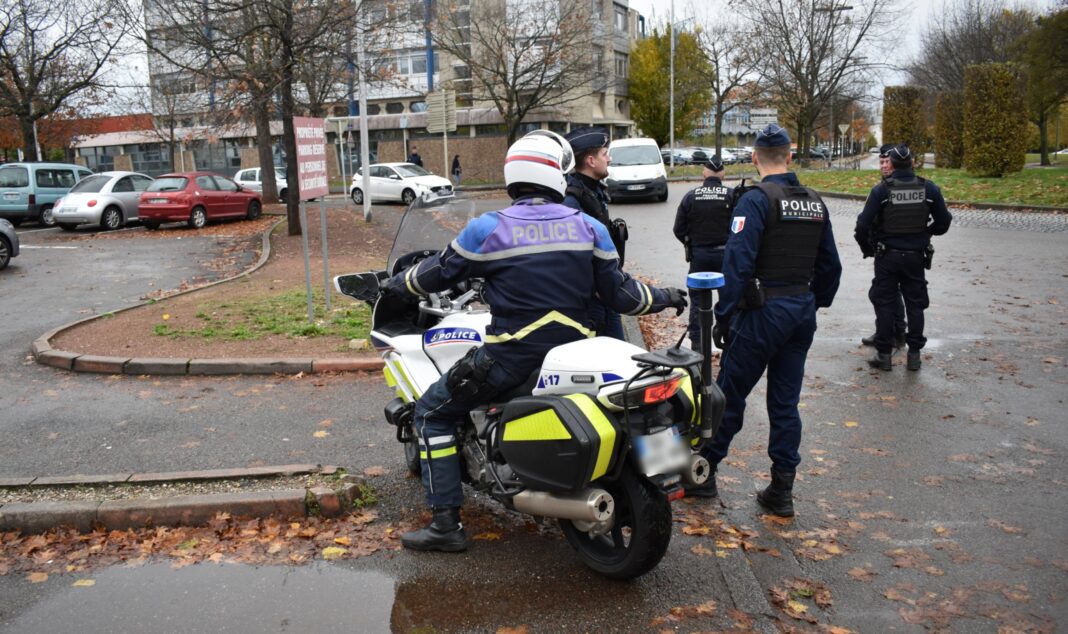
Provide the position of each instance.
(635, 155)
(91, 185)
(14, 177)
(409, 170)
(168, 184)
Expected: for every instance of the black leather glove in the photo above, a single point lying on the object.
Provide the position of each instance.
(385, 290)
(677, 300)
(721, 337)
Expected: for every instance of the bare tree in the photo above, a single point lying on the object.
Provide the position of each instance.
(521, 55)
(52, 52)
(731, 68)
(964, 33)
(812, 53)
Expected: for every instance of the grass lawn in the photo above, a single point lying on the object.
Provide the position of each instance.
(1046, 186)
(1056, 159)
(276, 314)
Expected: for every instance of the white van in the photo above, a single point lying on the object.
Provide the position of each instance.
(636, 171)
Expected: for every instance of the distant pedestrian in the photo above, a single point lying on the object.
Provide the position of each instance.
(415, 158)
(899, 218)
(456, 170)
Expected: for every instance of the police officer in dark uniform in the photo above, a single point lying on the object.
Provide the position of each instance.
(586, 192)
(779, 266)
(542, 262)
(896, 225)
(702, 224)
(885, 169)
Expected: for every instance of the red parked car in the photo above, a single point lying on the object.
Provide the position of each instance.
(195, 198)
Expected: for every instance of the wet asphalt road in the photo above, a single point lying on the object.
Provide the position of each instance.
(955, 473)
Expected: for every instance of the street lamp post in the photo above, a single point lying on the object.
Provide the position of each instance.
(671, 87)
(832, 9)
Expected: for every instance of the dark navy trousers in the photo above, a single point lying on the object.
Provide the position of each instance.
(703, 259)
(437, 416)
(607, 322)
(899, 275)
(775, 338)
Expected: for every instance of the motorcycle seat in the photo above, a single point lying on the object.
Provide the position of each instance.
(523, 389)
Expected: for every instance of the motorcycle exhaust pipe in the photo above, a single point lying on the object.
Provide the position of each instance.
(698, 471)
(589, 505)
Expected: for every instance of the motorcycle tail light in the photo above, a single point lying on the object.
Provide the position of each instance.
(648, 394)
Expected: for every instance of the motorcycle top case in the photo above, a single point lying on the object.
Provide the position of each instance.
(558, 443)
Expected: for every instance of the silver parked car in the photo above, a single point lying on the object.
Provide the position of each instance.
(252, 179)
(108, 199)
(9, 242)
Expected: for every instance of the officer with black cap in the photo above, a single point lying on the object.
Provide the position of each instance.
(896, 225)
(780, 264)
(899, 308)
(586, 192)
(702, 224)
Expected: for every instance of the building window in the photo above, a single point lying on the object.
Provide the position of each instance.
(621, 64)
(621, 18)
(598, 9)
(417, 106)
(598, 60)
(373, 108)
(394, 107)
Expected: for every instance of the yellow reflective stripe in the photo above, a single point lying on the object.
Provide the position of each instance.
(438, 453)
(686, 385)
(648, 299)
(551, 317)
(408, 281)
(407, 382)
(604, 429)
(544, 425)
(391, 381)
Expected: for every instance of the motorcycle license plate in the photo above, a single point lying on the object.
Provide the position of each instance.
(662, 452)
(11, 196)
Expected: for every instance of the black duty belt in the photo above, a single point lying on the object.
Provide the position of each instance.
(785, 291)
(904, 252)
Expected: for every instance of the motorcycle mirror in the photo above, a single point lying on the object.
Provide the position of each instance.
(361, 286)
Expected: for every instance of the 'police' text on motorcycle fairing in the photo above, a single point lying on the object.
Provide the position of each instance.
(450, 335)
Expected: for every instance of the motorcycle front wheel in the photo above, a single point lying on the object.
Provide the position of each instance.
(411, 456)
(640, 533)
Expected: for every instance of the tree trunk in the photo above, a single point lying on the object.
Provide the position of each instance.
(1043, 143)
(29, 144)
(261, 116)
(289, 136)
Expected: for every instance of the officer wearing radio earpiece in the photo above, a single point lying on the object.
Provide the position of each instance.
(899, 218)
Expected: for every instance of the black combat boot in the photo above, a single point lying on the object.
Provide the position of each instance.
(899, 340)
(914, 362)
(868, 341)
(444, 533)
(778, 498)
(881, 361)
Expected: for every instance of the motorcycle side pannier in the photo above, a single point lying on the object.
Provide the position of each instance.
(558, 443)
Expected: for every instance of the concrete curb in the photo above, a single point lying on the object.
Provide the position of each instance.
(45, 354)
(175, 510)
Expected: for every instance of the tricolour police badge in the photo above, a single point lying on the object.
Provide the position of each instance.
(737, 224)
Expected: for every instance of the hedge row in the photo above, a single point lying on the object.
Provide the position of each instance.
(949, 129)
(995, 123)
(904, 119)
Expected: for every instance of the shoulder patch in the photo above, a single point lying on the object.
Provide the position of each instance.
(737, 224)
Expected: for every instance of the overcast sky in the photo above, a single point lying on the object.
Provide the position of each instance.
(919, 12)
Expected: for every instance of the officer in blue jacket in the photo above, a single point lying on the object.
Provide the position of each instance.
(896, 225)
(541, 262)
(702, 224)
(587, 193)
(780, 265)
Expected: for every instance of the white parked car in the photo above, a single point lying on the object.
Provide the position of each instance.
(108, 199)
(399, 181)
(251, 179)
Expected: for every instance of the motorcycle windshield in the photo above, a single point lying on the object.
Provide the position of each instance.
(430, 225)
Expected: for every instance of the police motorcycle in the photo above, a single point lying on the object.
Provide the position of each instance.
(601, 438)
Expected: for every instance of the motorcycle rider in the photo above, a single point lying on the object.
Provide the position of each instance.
(542, 263)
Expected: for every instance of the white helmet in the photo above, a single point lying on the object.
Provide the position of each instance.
(537, 163)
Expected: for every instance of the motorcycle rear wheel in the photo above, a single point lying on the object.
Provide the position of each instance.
(639, 537)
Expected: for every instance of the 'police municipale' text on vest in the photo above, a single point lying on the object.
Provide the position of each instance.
(792, 232)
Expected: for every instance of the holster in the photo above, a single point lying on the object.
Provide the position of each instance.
(928, 256)
(752, 295)
(467, 379)
(687, 250)
(880, 249)
(617, 230)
